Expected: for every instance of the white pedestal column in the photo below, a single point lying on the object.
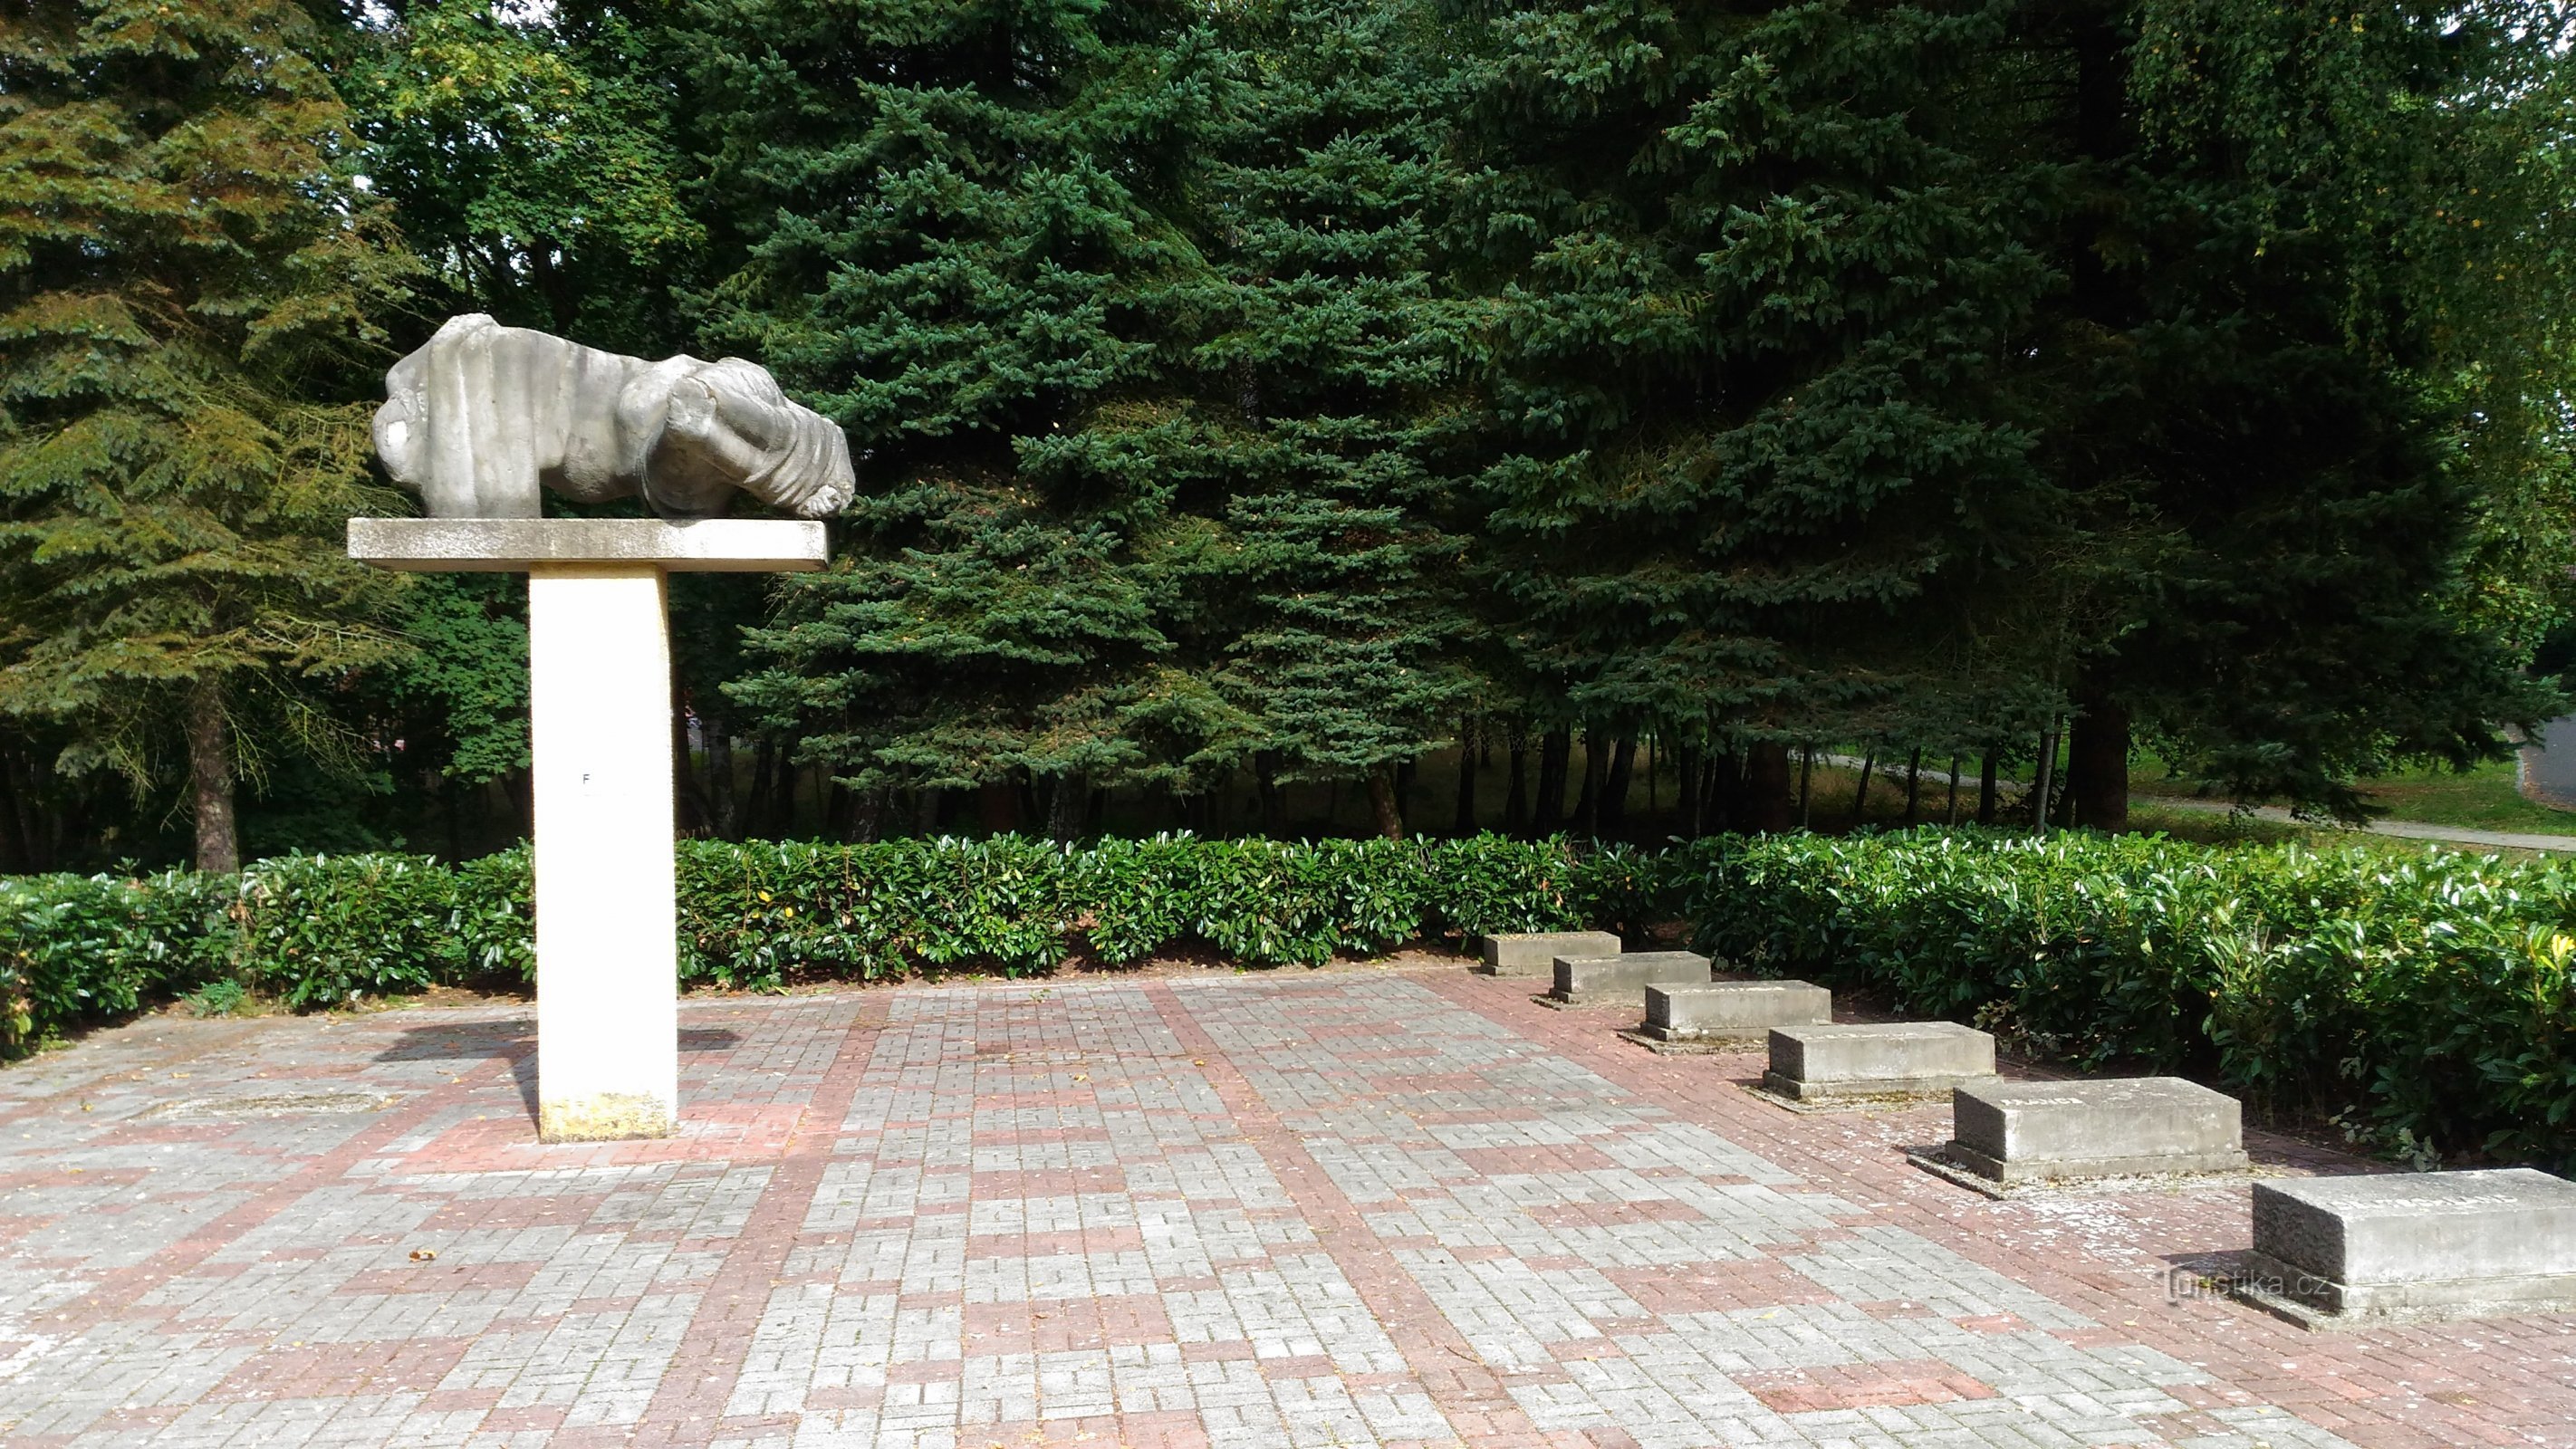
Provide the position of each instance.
(599, 655)
(599, 661)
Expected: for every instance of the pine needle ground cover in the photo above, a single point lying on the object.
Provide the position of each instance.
(2422, 999)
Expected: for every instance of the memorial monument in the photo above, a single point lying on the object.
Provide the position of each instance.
(482, 421)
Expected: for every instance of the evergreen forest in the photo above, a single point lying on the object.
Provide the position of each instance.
(1311, 417)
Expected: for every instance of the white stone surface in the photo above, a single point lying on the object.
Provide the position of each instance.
(481, 418)
(1531, 953)
(515, 545)
(608, 1031)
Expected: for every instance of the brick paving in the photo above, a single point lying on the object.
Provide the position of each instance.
(1399, 1208)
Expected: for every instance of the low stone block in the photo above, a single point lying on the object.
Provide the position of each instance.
(1593, 980)
(1732, 1010)
(2433, 1244)
(2126, 1127)
(1532, 953)
(1877, 1059)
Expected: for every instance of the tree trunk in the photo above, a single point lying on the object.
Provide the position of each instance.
(1986, 789)
(1463, 821)
(1860, 797)
(1555, 750)
(1265, 778)
(1686, 783)
(1381, 791)
(2042, 779)
(757, 811)
(997, 807)
(1952, 816)
(1721, 791)
(1587, 800)
(692, 812)
(1614, 786)
(1806, 784)
(1914, 787)
(720, 799)
(1766, 801)
(1516, 800)
(1066, 804)
(2097, 767)
(210, 779)
(17, 848)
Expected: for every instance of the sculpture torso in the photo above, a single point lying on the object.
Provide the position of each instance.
(482, 417)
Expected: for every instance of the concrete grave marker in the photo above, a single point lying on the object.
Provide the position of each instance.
(1876, 1059)
(2414, 1245)
(1595, 980)
(1533, 953)
(1731, 1011)
(482, 420)
(2014, 1132)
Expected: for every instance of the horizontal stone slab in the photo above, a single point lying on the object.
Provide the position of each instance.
(1732, 1010)
(1534, 953)
(1877, 1059)
(516, 545)
(2436, 1243)
(2124, 1127)
(1592, 980)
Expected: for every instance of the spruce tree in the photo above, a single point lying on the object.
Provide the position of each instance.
(972, 248)
(1755, 275)
(1333, 392)
(187, 272)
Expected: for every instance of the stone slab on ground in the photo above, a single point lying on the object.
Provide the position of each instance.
(2407, 1245)
(1877, 1059)
(1534, 953)
(1604, 980)
(1350, 1207)
(2116, 1127)
(1732, 1011)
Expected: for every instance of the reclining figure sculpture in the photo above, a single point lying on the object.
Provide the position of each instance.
(482, 416)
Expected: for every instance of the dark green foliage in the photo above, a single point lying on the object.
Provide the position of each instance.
(322, 930)
(2432, 993)
(76, 950)
(757, 915)
(970, 252)
(188, 273)
(1756, 276)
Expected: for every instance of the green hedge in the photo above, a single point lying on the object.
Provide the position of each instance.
(2427, 995)
(325, 930)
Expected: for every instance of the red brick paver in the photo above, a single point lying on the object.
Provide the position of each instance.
(1405, 1208)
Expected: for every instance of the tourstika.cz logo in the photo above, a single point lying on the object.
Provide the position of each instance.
(2185, 1281)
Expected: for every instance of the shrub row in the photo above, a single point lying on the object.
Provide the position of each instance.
(317, 931)
(2428, 995)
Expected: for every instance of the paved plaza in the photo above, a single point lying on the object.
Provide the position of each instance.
(1393, 1207)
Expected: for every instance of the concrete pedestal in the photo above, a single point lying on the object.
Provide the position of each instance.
(2416, 1245)
(599, 717)
(1732, 1011)
(2013, 1132)
(599, 665)
(1530, 953)
(1877, 1059)
(1595, 980)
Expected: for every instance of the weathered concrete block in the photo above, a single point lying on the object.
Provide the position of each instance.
(2034, 1131)
(1732, 1010)
(1878, 1059)
(1532, 953)
(2418, 1244)
(1594, 980)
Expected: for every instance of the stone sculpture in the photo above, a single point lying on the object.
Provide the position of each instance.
(483, 416)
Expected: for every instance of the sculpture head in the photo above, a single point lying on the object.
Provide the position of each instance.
(483, 417)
